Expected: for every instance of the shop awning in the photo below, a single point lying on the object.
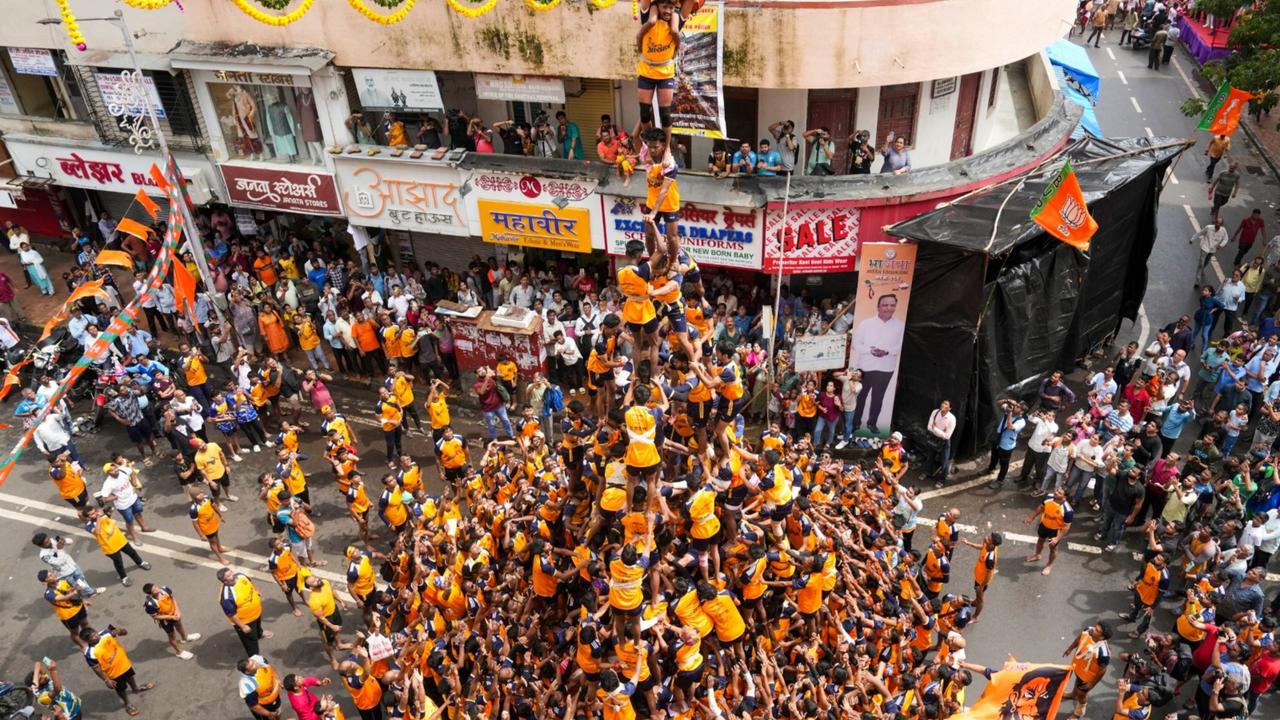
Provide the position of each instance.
(1079, 82)
(247, 57)
(119, 60)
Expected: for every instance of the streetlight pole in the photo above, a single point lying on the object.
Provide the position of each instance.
(141, 138)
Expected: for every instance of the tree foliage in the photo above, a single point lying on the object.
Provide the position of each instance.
(1254, 66)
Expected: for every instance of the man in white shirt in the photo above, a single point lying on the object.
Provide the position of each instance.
(942, 423)
(398, 303)
(78, 322)
(118, 490)
(1177, 363)
(877, 343)
(1088, 458)
(1231, 294)
(1103, 383)
(570, 357)
(1039, 446)
(1211, 239)
(51, 437)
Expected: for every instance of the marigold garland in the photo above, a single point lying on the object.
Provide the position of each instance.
(541, 5)
(276, 20)
(71, 26)
(602, 4)
(472, 10)
(392, 19)
(147, 4)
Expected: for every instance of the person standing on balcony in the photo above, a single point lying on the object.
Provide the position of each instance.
(570, 137)
(658, 42)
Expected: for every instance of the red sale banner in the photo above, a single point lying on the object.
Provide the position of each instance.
(812, 240)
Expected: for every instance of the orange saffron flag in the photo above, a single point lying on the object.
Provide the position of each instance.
(1222, 117)
(91, 288)
(184, 288)
(119, 258)
(52, 323)
(1021, 691)
(11, 378)
(147, 204)
(1062, 211)
(134, 228)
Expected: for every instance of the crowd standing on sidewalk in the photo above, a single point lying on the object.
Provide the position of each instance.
(620, 541)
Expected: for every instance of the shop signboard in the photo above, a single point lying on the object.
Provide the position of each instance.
(520, 88)
(8, 103)
(298, 191)
(117, 93)
(122, 172)
(713, 235)
(401, 90)
(402, 195)
(556, 193)
(535, 226)
(33, 61)
(810, 240)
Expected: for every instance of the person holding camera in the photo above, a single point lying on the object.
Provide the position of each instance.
(1012, 421)
(821, 152)
(860, 153)
(784, 135)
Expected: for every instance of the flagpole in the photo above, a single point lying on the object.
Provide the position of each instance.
(777, 293)
(193, 235)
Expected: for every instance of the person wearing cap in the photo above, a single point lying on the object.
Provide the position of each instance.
(241, 603)
(163, 607)
(46, 683)
(70, 609)
(259, 687)
(893, 459)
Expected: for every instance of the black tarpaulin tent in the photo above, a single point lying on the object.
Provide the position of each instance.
(992, 311)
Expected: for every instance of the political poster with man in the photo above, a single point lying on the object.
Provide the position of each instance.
(879, 324)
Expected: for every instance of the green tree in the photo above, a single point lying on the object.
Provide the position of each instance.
(1254, 65)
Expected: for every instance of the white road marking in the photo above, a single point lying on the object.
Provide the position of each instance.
(1120, 74)
(1111, 55)
(1195, 224)
(1190, 85)
(966, 485)
(1173, 178)
(63, 514)
(1144, 325)
(1137, 108)
(1149, 133)
(1085, 548)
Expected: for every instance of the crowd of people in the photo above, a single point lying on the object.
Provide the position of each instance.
(678, 538)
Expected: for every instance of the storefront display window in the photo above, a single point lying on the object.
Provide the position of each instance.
(268, 123)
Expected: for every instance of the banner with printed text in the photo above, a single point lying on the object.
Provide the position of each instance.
(713, 235)
(879, 326)
(698, 106)
(811, 240)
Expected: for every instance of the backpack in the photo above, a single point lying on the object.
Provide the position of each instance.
(303, 524)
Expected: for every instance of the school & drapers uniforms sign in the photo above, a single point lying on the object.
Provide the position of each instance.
(712, 234)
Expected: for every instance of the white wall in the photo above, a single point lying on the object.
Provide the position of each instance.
(935, 125)
(868, 112)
